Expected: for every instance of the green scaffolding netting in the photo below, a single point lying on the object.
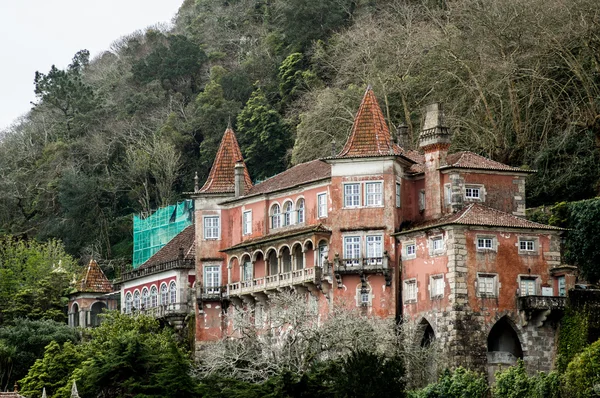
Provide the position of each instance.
(150, 234)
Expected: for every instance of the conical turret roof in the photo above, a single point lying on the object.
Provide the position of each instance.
(221, 178)
(370, 135)
(93, 280)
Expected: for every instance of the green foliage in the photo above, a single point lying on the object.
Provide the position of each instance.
(582, 377)
(514, 382)
(572, 336)
(264, 137)
(461, 383)
(33, 279)
(22, 343)
(580, 250)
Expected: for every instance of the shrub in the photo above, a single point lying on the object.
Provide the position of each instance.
(461, 383)
(582, 378)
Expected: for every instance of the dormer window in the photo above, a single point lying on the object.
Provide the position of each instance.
(275, 216)
(472, 193)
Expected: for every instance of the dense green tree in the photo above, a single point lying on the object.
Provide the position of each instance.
(264, 137)
(584, 222)
(460, 383)
(22, 343)
(582, 378)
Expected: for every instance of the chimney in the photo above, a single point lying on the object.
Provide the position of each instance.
(434, 140)
(402, 136)
(239, 178)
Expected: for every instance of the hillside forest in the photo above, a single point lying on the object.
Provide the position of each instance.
(123, 133)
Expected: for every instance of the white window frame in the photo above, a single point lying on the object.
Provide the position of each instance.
(447, 194)
(352, 250)
(485, 243)
(212, 285)
(474, 193)
(487, 285)
(153, 296)
(352, 194)
(275, 217)
(373, 193)
(322, 205)
(433, 241)
(247, 222)
(211, 232)
(287, 214)
(322, 250)
(172, 292)
(408, 253)
(137, 302)
(247, 271)
(300, 205)
(164, 294)
(411, 290)
(128, 302)
(437, 286)
(524, 241)
(398, 195)
(145, 298)
(561, 282)
(374, 249)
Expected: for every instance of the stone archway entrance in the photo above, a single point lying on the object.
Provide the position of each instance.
(427, 333)
(503, 346)
(96, 310)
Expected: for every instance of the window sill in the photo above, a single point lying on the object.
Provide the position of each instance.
(528, 253)
(438, 297)
(487, 296)
(411, 301)
(486, 250)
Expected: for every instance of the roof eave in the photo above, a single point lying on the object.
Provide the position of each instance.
(541, 228)
(517, 171)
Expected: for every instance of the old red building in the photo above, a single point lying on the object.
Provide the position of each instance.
(435, 238)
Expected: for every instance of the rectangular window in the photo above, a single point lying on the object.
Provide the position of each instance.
(351, 195)
(212, 278)
(247, 222)
(472, 193)
(398, 194)
(486, 285)
(485, 243)
(322, 205)
(247, 272)
(527, 286)
(410, 290)
(352, 250)
(527, 245)
(374, 249)
(437, 286)
(364, 298)
(447, 194)
(211, 227)
(374, 193)
(562, 286)
(411, 250)
(422, 200)
(437, 244)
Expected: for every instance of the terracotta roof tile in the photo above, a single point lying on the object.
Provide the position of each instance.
(470, 160)
(480, 215)
(280, 235)
(301, 174)
(93, 280)
(370, 135)
(170, 252)
(221, 178)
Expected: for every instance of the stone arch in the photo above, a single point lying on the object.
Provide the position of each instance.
(272, 259)
(298, 255)
(256, 253)
(308, 244)
(95, 310)
(322, 251)
(426, 333)
(232, 260)
(247, 267)
(286, 258)
(504, 344)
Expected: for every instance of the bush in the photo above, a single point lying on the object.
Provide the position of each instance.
(582, 378)
(461, 383)
(514, 382)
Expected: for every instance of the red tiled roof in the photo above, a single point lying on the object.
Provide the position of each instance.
(221, 178)
(480, 215)
(93, 280)
(280, 235)
(470, 160)
(170, 252)
(370, 135)
(301, 174)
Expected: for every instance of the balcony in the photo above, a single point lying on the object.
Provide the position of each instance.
(273, 282)
(368, 265)
(541, 303)
(157, 268)
(167, 310)
(216, 293)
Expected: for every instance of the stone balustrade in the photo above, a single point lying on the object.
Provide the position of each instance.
(272, 282)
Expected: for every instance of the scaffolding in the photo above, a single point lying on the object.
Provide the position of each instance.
(150, 234)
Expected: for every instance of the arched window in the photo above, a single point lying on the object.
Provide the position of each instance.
(145, 299)
(128, 303)
(275, 216)
(288, 208)
(96, 310)
(164, 294)
(300, 210)
(322, 252)
(153, 296)
(173, 292)
(136, 300)
(75, 315)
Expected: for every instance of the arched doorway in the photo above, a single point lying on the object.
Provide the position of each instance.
(286, 259)
(75, 315)
(96, 310)
(427, 333)
(272, 256)
(298, 257)
(503, 344)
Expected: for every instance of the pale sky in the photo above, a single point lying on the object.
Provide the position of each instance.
(35, 34)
